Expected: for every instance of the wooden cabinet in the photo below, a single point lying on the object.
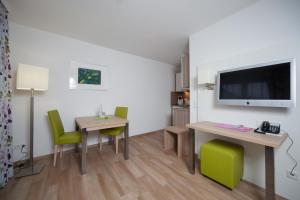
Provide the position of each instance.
(178, 83)
(182, 82)
(185, 71)
(180, 116)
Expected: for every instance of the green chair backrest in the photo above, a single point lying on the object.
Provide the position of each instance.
(57, 126)
(121, 112)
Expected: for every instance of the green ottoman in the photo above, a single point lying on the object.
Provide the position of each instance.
(222, 161)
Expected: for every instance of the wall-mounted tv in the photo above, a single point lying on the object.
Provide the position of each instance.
(270, 84)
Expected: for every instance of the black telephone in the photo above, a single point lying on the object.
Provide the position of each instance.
(267, 127)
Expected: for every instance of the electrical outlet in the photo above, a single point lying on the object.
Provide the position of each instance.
(17, 148)
(20, 152)
(293, 176)
(24, 149)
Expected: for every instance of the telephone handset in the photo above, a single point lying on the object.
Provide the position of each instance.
(267, 127)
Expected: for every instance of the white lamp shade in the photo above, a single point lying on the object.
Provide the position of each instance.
(205, 76)
(32, 77)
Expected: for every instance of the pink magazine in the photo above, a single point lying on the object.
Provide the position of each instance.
(240, 128)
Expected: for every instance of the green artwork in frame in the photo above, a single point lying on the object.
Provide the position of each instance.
(89, 76)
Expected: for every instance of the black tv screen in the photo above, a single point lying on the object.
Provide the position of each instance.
(267, 82)
(271, 82)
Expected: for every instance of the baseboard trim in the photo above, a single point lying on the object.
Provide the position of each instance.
(277, 196)
(26, 161)
(147, 133)
(197, 160)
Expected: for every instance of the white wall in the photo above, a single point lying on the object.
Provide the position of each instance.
(267, 31)
(141, 84)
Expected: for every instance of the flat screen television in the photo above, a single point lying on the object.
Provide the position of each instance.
(270, 84)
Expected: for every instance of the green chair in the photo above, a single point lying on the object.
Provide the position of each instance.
(59, 135)
(222, 161)
(114, 132)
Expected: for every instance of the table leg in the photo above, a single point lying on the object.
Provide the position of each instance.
(191, 157)
(126, 142)
(76, 127)
(269, 170)
(76, 145)
(76, 148)
(83, 151)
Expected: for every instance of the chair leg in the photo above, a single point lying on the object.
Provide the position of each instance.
(55, 152)
(61, 151)
(100, 142)
(116, 143)
(86, 148)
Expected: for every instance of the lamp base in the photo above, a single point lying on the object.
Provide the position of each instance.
(29, 171)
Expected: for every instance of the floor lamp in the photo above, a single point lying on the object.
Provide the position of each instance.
(34, 79)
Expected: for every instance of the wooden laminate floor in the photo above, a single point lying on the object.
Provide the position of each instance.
(148, 174)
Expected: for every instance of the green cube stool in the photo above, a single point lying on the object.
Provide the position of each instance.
(222, 161)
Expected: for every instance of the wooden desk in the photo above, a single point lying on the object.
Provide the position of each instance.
(88, 124)
(269, 141)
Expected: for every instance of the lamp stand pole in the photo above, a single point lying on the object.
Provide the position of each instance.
(31, 169)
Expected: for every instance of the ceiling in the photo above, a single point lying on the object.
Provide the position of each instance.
(155, 29)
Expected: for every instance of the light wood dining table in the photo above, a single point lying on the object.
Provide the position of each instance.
(88, 125)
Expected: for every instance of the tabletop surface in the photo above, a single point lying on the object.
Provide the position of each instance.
(92, 123)
(249, 136)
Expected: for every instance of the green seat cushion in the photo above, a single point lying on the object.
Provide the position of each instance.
(222, 161)
(112, 131)
(73, 137)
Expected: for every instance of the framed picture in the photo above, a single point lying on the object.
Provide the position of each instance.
(88, 76)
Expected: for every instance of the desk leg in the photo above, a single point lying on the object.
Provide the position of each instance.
(126, 142)
(191, 157)
(269, 168)
(83, 151)
(76, 148)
